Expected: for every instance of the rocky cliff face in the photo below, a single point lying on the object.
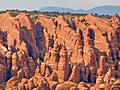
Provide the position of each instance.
(55, 54)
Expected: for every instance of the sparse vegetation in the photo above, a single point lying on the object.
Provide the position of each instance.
(14, 14)
(34, 14)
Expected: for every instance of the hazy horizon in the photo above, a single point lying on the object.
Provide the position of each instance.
(37, 4)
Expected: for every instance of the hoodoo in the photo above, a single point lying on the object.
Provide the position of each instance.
(59, 54)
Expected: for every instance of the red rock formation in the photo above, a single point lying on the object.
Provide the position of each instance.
(63, 66)
(59, 55)
(2, 73)
(14, 64)
(115, 19)
(102, 66)
(75, 75)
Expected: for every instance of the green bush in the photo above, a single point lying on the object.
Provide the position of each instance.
(14, 14)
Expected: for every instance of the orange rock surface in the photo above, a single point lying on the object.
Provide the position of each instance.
(55, 54)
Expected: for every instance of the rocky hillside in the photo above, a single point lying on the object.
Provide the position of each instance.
(55, 54)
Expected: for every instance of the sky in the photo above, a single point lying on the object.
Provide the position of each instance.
(37, 4)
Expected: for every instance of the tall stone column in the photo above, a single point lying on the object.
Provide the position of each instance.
(14, 64)
(102, 66)
(92, 74)
(20, 59)
(48, 42)
(32, 66)
(8, 64)
(109, 56)
(2, 73)
(63, 66)
(71, 24)
(54, 56)
(54, 59)
(75, 75)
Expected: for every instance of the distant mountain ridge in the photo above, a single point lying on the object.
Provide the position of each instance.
(57, 9)
(107, 10)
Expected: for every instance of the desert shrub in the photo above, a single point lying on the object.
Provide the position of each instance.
(14, 14)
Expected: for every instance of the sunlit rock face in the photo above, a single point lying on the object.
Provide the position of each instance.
(55, 54)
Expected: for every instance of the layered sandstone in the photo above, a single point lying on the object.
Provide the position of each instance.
(55, 54)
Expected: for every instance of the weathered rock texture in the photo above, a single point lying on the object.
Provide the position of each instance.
(55, 54)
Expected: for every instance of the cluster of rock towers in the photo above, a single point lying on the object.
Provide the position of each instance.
(55, 54)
